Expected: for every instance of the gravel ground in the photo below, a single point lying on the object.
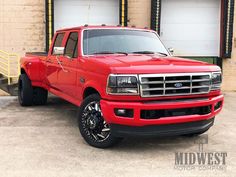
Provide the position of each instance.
(45, 141)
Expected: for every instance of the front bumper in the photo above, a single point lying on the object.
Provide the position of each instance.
(162, 130)
(108, 108)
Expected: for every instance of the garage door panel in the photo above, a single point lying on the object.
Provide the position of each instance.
(191, 3)
(189, 16)
(70, 13)
(98, 15)
(184, 34)
(185, 49)
(191, 26)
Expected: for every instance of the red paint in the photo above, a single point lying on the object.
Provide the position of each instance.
(95, 70)
(109, 106)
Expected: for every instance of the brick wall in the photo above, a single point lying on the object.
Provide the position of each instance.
(139, 13)
(229, 65)
(22, 25)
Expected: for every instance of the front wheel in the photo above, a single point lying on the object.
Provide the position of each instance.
(92, 125)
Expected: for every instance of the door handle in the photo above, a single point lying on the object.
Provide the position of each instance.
(60, 63)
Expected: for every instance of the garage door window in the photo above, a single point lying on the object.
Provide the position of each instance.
(71, 45)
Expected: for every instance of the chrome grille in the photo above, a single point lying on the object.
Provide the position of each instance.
(152, 85)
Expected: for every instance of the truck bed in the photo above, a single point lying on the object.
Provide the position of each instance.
(40, 54)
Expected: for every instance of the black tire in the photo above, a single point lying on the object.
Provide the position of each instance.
(25, 91)
(40, 96)
(90, 131)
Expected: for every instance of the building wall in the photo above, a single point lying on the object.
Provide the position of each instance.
(22, 26)
(139, 13)
(22, 23)
(229, 65)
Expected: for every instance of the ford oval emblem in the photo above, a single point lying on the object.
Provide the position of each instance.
(178, 85)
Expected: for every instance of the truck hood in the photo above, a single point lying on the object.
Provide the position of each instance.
(148, 64)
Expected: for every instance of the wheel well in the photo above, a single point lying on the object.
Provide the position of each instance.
(89, 91)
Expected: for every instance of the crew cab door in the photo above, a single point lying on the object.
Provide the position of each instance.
(67, 74)
(52, 63)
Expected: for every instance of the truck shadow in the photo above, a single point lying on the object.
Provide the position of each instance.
(62, 113)
(141, 144)
(132, 144)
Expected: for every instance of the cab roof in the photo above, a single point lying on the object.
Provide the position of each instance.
(102, 27)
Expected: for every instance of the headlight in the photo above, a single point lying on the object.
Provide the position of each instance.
(123, 85)
(216, 80)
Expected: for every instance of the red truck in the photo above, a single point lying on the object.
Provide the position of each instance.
(125, 82)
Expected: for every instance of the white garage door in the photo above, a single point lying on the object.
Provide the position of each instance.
(191, 27)
(71, 13)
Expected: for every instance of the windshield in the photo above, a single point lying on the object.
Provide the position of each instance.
(109, 41)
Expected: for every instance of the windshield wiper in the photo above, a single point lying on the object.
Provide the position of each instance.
(162, 53)
(149, 52)
(107, 52)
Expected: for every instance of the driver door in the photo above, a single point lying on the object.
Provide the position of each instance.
(52, 64)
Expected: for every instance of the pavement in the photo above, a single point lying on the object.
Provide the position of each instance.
(44, 141)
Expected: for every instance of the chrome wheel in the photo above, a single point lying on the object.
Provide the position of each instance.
(93, 122)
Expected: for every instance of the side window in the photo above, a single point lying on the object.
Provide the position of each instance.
(71, 49)
(59, 39)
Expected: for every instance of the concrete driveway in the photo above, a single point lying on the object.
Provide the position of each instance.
(45, 141)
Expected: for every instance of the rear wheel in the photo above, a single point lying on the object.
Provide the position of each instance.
(29, 95)
(40, 96)
(92, 125)
(25, 91)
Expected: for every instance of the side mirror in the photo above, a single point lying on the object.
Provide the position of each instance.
(171, 50)
(58, 50)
